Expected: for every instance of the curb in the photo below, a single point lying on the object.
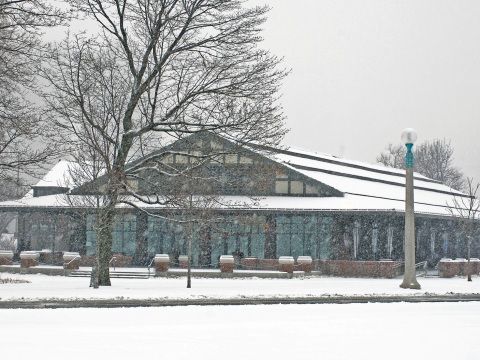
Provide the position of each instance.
(126, 303)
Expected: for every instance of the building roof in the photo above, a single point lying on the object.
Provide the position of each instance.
(365, 182)
(365, 187)
(57, 176)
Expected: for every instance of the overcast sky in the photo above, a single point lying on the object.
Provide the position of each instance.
(362, 71)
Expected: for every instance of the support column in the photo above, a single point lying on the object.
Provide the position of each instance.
(270, 238)
(141, 238)
(21, 233)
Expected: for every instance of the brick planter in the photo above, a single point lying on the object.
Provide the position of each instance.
(267, 264)
(448, 268)
(183, 261)
(29, 259)
(305, 263)
(88, 260)
(227, 262)
(71, 260)
(462, 266)
(369, 269)
(161, 262)
(122, 260)
(6, 257)
(286, 263)
(475, 264)
(250, 263)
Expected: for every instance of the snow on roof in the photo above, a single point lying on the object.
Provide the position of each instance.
(349, 202)
(350, 176)
(49, 201)
(58, 176)
(366, 187)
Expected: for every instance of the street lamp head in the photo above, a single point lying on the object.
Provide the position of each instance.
(409, 136)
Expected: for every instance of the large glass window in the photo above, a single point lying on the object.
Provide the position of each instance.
(299, 235)
(238, 235)
(123, 235)
(91, 235)
(290, 236)
(324, 237)
(170, 237)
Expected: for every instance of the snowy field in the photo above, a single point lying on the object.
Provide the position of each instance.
(59, 287)
(327, 331)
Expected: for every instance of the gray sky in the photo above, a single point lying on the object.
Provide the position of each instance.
(362, 71)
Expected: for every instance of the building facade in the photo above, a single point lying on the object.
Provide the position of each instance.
(263, 203)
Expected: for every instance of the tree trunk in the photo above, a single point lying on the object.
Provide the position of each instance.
(189, 253)
(104, 244)
(469, 265)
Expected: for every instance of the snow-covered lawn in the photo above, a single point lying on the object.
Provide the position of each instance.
(326, 331)
(59, 287)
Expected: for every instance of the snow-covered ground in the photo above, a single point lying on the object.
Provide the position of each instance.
(59, 287)
(327, 331)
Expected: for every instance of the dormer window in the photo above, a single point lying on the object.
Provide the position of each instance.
(293, 187)
(296, 187)
(39, 191)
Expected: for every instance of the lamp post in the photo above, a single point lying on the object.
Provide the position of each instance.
(409, 136)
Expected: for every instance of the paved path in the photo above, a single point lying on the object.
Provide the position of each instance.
(116, 303)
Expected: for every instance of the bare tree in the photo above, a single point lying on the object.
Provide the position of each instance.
(22, 130)
(466, 210)
(7, 189)
(7, 242)
(21, 26)
(433, 159)
(197, 212)
(393, 156)
(157, 71)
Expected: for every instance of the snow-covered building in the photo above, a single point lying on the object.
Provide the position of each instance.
(269, 203)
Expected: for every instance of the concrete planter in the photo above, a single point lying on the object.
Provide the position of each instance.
(286, 263)
(183, 261)
(29, 259)
(6, 257)
(227, 263)
(71, 260)
(161, 262)
(305, 263)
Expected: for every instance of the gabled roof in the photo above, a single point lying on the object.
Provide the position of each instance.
(57, 176)
(367, 181)
(366, 187)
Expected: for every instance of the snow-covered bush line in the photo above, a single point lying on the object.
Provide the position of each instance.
(13, 281)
